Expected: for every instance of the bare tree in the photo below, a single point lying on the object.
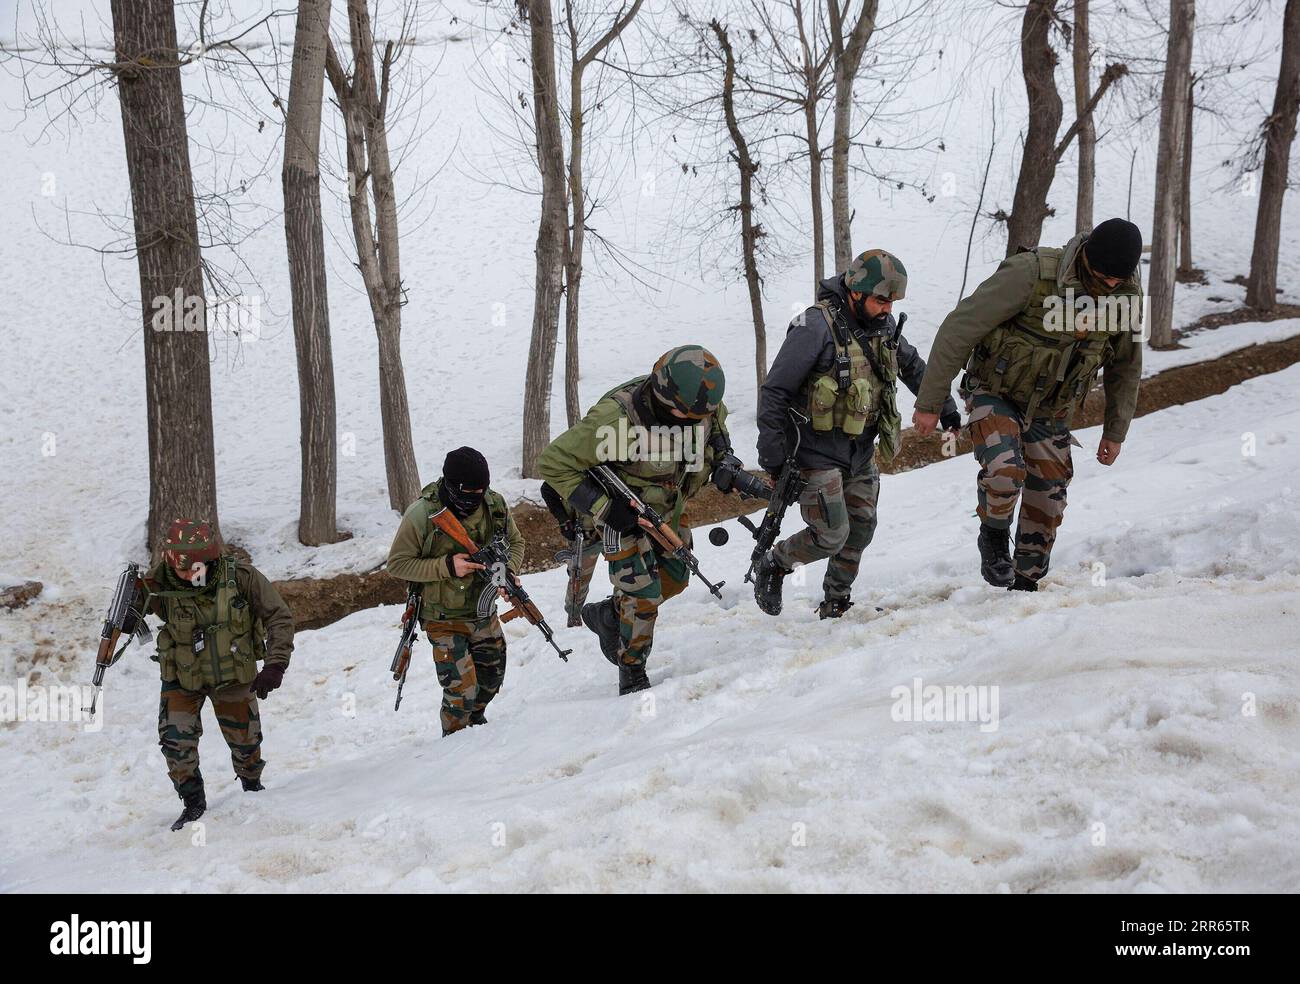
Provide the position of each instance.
(178, 389)
(1041, 151)
(363, 102)
(1278, 131)
(1081, 61)
(551, 228)
(305, 242)
(750, 231)
(573, 253)
(847, 57)
(1186, 269)
(1174, 108)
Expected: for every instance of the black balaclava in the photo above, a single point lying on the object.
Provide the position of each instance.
(463, 469)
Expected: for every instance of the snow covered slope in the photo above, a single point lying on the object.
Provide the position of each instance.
(1147, 731)
(72, 421)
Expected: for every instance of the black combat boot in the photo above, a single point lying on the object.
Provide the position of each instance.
(768, 579)
(194, 803)
(834, 608)
(600, 617)
(477, 718)
(995, 556)
(1022, 583)
(632, 679)
(251, 785)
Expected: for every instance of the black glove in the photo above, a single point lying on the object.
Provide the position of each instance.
(621, 517)
(950, 420)
(270, 678)
(556, 504)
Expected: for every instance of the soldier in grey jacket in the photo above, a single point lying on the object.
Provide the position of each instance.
(839, 366)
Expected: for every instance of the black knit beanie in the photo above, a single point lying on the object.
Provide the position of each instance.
(466, 469)
(1114, 248)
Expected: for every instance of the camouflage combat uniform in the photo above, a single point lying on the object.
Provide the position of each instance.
(642, 576)
(846, 418)
(469, 650)
(1030, 362)
(208, 647)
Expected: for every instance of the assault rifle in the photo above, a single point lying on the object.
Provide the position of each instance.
(571, 556)
(124, 617)
(495, 557)
(789, 485)
(575, 574)
(410, 632)
(659, 530)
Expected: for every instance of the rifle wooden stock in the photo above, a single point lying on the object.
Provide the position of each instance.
(104, 655)
(446, 521)
(527, 609)
(667, 538)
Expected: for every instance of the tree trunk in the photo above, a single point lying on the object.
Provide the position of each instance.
(749, 230)
(305, 243)
(848, 58)
(815, 189)
(573, 242)
(1038, 161)
(178, 388)
(364, 104)
(1083, 221)
(1185, 188)
(1279, 131)
(550, 239)
(395, 414)
(573, 249)
(1169, 162)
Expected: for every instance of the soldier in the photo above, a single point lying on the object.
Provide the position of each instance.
(664, 435)
(469, 650)
(1032, 338)
(839, 364)
(220, 616)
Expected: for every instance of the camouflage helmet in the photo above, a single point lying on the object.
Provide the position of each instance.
(689, 378)
(190, 542)
(877, 272)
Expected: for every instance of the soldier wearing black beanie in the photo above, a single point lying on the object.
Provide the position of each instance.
(433, 552)
(1034, 340)
(464, 480)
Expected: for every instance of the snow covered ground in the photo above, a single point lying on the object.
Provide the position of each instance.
(1146, 735)
(73, 458)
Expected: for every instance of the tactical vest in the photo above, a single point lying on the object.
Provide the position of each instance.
(858, 390)
(457, 597)
(210, 636)
(659, 479)
(1047, 361)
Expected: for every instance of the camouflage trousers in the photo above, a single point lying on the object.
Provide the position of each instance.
(643, 579)
(180, 726)
(470, 658)
(840, 512)
(1026, 462)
